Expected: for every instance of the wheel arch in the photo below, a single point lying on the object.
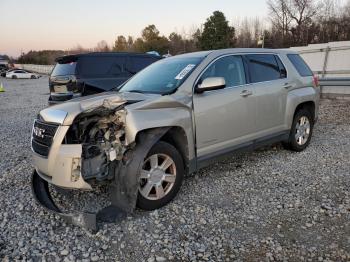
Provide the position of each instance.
(308, 105)
(301, 98)
(176, 136)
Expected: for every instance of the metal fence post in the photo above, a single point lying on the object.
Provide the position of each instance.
(324, 69)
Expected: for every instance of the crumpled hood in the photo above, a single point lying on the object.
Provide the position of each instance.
(66, 112)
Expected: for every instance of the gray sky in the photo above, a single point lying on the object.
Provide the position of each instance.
(63, 24)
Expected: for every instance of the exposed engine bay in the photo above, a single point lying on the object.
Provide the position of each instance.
(103, 143)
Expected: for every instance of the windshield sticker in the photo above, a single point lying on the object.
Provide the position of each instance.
(185, 71)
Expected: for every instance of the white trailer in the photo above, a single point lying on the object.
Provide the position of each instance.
(331, 62)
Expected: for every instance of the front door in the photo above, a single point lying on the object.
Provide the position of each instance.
(224, 118)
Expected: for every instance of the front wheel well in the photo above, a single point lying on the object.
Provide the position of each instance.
(176, 136)
(309, 105)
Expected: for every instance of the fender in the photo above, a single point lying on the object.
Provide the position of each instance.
(166, 111)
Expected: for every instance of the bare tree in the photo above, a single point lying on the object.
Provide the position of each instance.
(280, 17)
(244, 36)
(102, 46)
(347, 9)
(249, 31)
(302, 13)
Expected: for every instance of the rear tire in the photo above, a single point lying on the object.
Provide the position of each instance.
(14, 77)
(301, 131)
(161, 176)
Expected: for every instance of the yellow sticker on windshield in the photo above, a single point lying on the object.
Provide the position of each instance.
(184, 71)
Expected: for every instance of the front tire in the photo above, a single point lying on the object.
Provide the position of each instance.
(161, 176)
(301, 131)
(14, 77)
(33, 77)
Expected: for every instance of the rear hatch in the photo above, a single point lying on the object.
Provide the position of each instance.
(63, 80)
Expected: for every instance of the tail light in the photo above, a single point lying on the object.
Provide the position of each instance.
(316, 81)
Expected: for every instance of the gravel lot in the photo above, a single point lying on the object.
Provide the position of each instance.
(271, 204)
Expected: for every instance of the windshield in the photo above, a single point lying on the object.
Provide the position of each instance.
(162, 77)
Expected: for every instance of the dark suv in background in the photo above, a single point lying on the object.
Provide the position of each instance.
(86, 74)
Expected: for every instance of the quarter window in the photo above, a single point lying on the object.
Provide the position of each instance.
(263, 67)
(229, 67)
(300, 65)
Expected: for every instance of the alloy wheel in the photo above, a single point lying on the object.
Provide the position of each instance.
(302, 130)
(157, 176)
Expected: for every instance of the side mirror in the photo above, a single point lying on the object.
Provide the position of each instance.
(211, 83)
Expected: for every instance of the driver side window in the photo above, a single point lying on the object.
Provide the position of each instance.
(229, 67)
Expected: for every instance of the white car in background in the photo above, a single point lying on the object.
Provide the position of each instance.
(19, 73)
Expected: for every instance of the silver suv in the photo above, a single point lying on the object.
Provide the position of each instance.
(172, 118)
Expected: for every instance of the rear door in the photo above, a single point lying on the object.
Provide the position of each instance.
(224, 118)
(268, 78)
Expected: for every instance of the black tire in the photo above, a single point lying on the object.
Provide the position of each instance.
(33, 77)
(292, 143)
(169, 150)
(14, 77)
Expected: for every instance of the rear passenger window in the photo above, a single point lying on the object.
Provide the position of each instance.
(104, 66)
(263, 67)
(300, 65)
(136, 64)
(229, 67)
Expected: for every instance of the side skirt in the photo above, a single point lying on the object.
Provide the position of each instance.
(208, 159)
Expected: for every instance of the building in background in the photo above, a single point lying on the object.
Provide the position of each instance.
(4, 60)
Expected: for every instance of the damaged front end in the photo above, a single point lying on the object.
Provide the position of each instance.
(102, 137)
(89, 152)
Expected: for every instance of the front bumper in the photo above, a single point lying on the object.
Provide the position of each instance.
(123, 189)
(40, 189)
(87, 220)
(62, 165)
(62, 168)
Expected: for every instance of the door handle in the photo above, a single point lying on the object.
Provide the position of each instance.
(246, 93)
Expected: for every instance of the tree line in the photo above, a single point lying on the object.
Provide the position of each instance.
(290, 23)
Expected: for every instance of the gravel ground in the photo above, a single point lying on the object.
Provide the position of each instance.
(271, 204)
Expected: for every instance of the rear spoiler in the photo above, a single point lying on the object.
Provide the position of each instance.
(67, 59)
